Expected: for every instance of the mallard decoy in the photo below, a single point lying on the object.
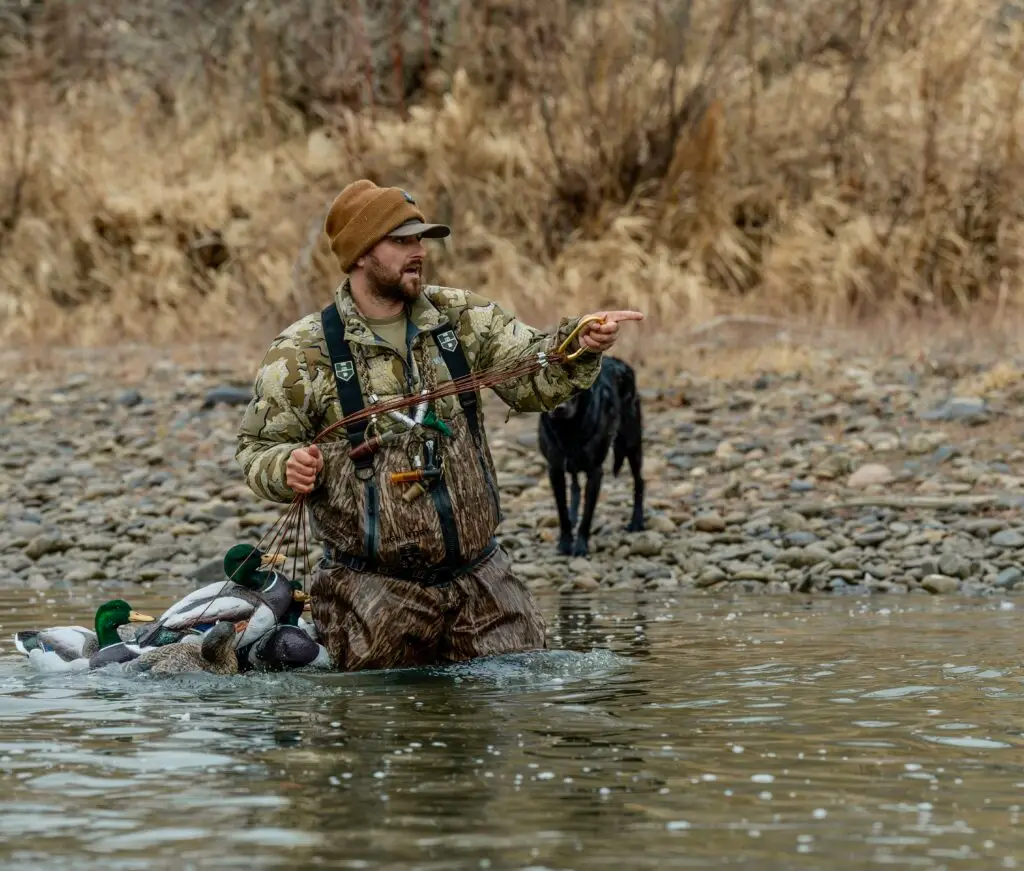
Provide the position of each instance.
(215, 654)
(293, 616)
(286, 647)
(130, 634)
(124, 651)
(261, 598)
(72, 647)
(291, 644)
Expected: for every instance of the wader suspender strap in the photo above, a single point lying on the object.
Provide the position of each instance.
(345, 378)
(458, 366)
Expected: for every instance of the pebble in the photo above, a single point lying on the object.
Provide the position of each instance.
(227, 395)
(1008, 539)
(870, 474)
(954, 565)
(969, 408)
(646, 544)
(42, 545)
(710, 523)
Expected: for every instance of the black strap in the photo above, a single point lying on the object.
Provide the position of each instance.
(346, 378)
(435, 576)
(458, 367)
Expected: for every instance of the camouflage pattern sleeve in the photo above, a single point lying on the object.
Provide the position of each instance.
(500, 339)
(280, 417)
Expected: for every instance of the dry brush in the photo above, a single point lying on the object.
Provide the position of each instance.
(164, 168)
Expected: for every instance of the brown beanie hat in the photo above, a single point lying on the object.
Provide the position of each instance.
(363, 214)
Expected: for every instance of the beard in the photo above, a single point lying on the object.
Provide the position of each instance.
(395, 285)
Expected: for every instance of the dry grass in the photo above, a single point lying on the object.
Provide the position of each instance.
(826, 162)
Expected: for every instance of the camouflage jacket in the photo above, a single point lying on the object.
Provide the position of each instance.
(295, 397)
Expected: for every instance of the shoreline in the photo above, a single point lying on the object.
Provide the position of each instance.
(805, 472)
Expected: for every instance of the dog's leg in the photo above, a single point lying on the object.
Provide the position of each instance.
(574, 500)
(582, 546)
(636, 523)
(629, 443)
(556, 475)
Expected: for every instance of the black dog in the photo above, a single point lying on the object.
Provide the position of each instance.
(575, 438)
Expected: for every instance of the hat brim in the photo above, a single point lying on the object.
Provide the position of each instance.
(418, 228)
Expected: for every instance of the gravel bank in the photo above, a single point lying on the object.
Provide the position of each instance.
(850, 477)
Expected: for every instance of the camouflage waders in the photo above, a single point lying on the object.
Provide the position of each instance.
(370, 620)
(411, 573)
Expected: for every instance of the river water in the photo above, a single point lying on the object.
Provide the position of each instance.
(776, 733)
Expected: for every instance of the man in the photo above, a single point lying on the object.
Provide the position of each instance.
(411, 574)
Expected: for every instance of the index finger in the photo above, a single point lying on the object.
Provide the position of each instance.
(623, 316)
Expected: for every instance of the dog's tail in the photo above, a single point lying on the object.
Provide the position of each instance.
(630, 422)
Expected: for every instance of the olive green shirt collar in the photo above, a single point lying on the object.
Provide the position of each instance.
(422, 314)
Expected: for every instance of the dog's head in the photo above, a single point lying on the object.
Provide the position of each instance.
(568, 409)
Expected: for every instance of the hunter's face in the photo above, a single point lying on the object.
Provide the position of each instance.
(394, 268)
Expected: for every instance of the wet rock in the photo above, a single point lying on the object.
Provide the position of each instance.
(586, 583)
(43, 545)
(78, 573)
(940, 585)
(711, 576)
(1008, 578)
(800, 557)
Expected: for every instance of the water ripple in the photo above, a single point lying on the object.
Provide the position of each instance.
(653, 736)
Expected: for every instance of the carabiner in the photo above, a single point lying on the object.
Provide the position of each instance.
(589, 319)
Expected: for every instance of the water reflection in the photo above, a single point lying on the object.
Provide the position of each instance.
(579, 623)
(659, 733)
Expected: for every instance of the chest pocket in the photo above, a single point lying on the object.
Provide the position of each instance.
(388, 377)
(385, 371)
(447, 407)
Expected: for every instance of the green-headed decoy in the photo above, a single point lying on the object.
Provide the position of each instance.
(258, 597)
(62, 647)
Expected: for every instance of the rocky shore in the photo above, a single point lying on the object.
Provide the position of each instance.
(846, 476)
